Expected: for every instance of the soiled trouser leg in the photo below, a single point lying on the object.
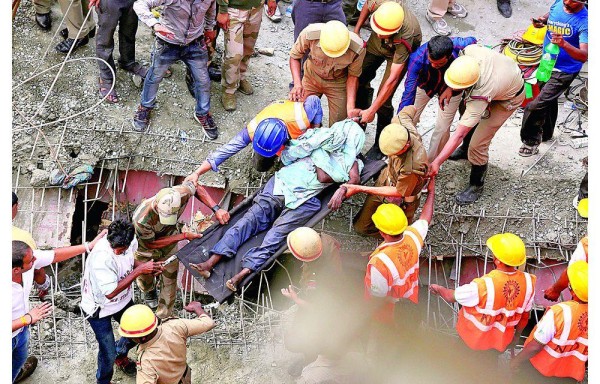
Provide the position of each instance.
(168, 290)
(438, 8)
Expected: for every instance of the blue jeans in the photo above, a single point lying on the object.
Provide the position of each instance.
(108, 350)
(194, 55)
(20, 345)
(266, 209)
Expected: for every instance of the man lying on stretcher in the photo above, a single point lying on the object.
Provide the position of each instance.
(313, 161)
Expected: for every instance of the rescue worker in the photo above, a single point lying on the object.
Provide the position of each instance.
(155, 222)
(268, 131)
(332, 69)
(495, 307)
(396, 34)
(490, 100)
(393, 269)
(162, 349)
(580, 254)
(558, 345)
(401, 182)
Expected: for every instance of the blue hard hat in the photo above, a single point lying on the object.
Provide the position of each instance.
(270, 135)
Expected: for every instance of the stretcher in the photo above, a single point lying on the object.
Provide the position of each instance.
(198, 249)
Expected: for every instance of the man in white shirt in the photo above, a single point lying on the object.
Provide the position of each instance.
(106, 292)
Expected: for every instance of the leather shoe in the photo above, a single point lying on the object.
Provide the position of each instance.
(505, 8)
(65, 46)
(64, 33)
(44, 20)
(459, 154)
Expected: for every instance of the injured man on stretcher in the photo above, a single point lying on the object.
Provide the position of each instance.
(312, 162)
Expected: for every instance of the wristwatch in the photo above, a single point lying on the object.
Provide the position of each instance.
(215, 208)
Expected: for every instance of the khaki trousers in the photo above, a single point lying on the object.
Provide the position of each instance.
(443, 121)
(335, 90)
(438, 8)
(75, 11)
(499, 112)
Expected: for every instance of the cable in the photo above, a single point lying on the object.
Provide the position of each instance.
(523, 52)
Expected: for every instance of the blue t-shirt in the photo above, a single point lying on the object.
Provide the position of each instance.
(574, 28)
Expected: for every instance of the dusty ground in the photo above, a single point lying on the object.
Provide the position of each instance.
(175, 145)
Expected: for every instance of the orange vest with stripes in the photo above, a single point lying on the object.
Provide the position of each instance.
(292, 113)
(566, 354)
(503, 299)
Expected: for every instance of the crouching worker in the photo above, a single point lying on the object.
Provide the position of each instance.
(401, 182)
(107, 291)
(312, 162)
(558, 345)
(162, 349)
(268, 132)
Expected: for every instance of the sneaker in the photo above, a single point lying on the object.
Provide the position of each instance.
(126, 365)
(276, 18)
(151, 298)
(208, 125)
(28, 369)
(245, 87)
(439, 26)
(141, 121)
(457, 10)
(228, 101)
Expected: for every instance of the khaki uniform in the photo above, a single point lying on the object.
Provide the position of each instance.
(438, 8)
(240, 39)
(162, 360)
(327, 76)
(406, 172)
(148, 229)
(76, 10)
(492, 100)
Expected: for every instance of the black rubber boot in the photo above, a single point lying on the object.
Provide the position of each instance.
(462, 151)
(504, 8)
(475, 188)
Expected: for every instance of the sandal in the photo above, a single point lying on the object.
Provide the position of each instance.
(528, 150)
(105, 91)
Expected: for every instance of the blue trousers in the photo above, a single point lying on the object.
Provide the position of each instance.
(308, 12)
(266, 210)
(194, 55)
(20, 345)
(108, 350)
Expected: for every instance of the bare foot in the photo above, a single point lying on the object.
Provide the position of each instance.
(231, 285)
(201, 269)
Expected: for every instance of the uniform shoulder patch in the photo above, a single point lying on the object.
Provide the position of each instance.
(356, 43)
(313, 32)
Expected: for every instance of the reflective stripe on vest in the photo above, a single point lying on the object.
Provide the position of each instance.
(502, 302)
(292, 113)
(566, 354)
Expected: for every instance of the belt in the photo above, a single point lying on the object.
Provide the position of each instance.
(520, 90)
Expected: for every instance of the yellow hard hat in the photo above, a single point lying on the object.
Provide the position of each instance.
(535, 35)
(137, 321)
(390, 219)
(393, 139)
(462, 73)
(387, 19)
(335, 38)
(508, 248)
(578, 278)
(582, 207)
(305, 244)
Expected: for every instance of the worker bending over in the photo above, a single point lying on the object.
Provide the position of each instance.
(494, 89)
(558, 345)
(162, 348)
(401, 182)
(268, 131)
(580, 254)
(312, 162)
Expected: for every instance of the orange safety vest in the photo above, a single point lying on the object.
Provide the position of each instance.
(503, 299)
(292, 113)
(398, 264)
(566, 354)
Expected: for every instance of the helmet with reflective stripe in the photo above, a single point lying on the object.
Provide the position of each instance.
(137, 321)
(462, 73)
(387, 19)
(305, 244)
(270, 135)
(508, 248)
(390, 219)
(578, 278)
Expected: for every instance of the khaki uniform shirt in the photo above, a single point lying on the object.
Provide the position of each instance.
(396, 47)
(148, 227)
(372, 5)
(163, 360)
(500, 79)
(328, 68)
(406, 171)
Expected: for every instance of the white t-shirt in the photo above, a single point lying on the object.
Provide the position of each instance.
(102, 273)
(545, 328)
(20, 293)
(578, 254)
